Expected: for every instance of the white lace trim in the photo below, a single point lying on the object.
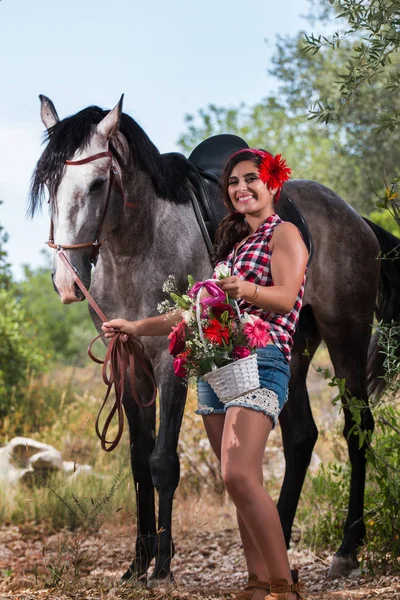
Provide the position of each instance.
(262, 398)
(205, 407)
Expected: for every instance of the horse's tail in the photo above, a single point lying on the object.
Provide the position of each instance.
(388, 304)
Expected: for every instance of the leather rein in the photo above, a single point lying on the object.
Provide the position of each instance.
(123, 351)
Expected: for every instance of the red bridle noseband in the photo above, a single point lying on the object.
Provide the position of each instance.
(97, 242)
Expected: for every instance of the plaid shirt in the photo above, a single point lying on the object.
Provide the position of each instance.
(253, 263)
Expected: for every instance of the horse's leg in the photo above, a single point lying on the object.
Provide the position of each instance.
(164, 463)
(142, 439)
(348, 348)
(299, 432)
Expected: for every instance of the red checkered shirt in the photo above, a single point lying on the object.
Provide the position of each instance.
(253, 263)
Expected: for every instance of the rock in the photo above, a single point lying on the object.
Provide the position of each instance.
(23, 458)
(73, 469)
(49, 459)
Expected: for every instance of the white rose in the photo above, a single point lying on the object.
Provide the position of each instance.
(222, 271)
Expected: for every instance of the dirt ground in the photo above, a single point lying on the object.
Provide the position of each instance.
(36, 564)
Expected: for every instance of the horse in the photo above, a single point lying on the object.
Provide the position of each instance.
(117, 202)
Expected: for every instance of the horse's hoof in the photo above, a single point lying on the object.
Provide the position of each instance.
(133, 579)
(157, 582)
(342, 566)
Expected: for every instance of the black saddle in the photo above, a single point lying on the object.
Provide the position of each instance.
(207, 162)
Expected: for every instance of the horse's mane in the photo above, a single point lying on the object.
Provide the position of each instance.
(72, 133)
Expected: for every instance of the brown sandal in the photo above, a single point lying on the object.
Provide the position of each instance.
(247, 592)
(280, 588)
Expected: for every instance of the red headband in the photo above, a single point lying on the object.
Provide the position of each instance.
(273, 170)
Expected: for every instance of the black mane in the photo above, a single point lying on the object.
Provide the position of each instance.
(67, 136)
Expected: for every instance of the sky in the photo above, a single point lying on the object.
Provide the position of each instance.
(168, 58)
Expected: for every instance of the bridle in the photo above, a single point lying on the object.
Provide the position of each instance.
(112, 180)
(123, 351)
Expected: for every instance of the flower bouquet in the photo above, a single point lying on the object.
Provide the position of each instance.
(214, 340)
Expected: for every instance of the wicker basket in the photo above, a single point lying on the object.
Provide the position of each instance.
(235, 379)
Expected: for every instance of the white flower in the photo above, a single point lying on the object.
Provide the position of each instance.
(187, 316)
(169, 285)
(164, 306)
(222, 270)
(247, 318)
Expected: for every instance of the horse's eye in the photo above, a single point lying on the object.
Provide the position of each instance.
(96, 185)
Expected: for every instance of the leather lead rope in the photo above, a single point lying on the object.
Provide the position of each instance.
(121, 354)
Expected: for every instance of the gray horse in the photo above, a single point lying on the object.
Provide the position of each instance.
(150, 231)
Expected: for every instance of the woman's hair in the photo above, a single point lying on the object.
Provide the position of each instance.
(233, 227)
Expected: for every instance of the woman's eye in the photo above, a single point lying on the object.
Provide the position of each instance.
(250, 179)
(96, 185)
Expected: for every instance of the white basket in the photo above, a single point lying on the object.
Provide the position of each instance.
(235, 379)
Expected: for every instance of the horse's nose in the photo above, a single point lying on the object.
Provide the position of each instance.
(69, 292)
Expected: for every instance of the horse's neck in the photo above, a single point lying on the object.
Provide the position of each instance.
(153, 239)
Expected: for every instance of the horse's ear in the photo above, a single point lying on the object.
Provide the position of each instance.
(109, 125)
(48, 112)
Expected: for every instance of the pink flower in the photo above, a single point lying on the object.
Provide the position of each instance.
(257, 333)
(179, 367)
(240, 352)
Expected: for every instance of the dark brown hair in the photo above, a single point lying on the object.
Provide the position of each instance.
(233, 227)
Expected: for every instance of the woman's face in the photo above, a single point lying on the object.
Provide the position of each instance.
(248, 194)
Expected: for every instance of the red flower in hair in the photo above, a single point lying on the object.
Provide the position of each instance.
(274, 171)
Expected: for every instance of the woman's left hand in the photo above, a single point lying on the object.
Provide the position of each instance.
(234, 286)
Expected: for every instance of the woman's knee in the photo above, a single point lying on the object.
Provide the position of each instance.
(238, 479)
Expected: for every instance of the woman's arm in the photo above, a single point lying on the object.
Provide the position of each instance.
(288, 264)
(160, 325)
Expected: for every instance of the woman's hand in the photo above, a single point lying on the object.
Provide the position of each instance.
(112, 327)
(235, 287)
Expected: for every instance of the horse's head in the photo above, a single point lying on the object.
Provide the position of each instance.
(79, 169)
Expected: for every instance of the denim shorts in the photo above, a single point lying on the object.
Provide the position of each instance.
(274, 372)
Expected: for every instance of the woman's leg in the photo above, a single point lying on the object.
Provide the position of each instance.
(214, 426)
(245, 434)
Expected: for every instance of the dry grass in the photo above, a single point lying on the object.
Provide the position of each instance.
(40, 559)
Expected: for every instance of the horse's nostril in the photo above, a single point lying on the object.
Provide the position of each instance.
(78, 292)
(54, 285)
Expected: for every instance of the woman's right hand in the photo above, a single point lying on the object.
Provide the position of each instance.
(112, 327)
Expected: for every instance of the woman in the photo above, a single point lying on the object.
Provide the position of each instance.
(267, 261)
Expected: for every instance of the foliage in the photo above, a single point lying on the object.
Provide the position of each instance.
(5, 272)
(64, 331)
(20, 352)
(363, 156)
(328, 494)
(267, 124)
(382, 492)
(375, 25)
(35, 329)
(328, 491)
(385, 219)
(348, 155)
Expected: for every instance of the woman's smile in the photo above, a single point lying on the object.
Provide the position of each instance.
(246, 198)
